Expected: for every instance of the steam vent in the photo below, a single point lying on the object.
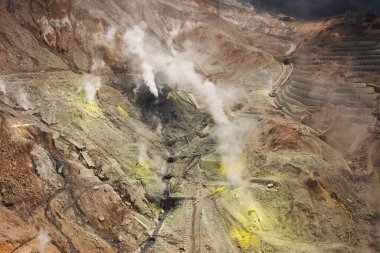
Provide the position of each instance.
(194, 126)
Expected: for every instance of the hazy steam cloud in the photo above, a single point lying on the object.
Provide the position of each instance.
(43, 239)
(91, 83)
(179, 71)
(110, 35)
(182, 73)
(143, 154)
(2, 87)
(231, 138)
(97, 65)
(22, 99)
(134, 39)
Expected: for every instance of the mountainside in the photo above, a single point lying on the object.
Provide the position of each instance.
(146, 126)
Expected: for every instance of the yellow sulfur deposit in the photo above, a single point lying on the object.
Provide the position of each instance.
(245, 239)
(91, 107)
(221, 191)
(145, 169)
(171, 96)
(123, 111)
(222, 170)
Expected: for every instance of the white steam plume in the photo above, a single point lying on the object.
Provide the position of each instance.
(231, 137)
(91, 83)
(148, 76)
(43, 239)
(110, 35)
(172, 35)
(22, 99)
(134, 39)
(143, 154)
(159, 129)
(177, 30)
(179, 71)
(2, 87)
(97, 65)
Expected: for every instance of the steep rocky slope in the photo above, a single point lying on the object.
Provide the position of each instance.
(94, 159)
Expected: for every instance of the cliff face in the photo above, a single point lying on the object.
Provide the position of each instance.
(145, 126)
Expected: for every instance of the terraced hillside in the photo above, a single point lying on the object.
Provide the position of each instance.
(334, 89)
(338, 75)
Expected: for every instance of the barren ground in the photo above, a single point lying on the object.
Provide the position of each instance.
(72, 168)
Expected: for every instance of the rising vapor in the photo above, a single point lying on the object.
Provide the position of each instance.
(134, 39)
(2, 87)
(43, 239)
(179, 71)
(92, 82)
(22, 99)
